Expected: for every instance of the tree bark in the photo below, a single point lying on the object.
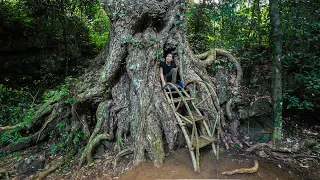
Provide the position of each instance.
(276, 71)
(140, 33)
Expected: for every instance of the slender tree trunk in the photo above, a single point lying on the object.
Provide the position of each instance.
(276, 71)
(258, 21)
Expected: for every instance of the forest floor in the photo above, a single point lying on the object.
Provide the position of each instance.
(177, 165)
(29, 163)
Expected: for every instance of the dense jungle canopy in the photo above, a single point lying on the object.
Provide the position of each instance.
(76, 75)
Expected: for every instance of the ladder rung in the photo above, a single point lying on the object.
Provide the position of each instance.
(184, 119)
(175, 92)
(203, 141)
(196, 117)
(172, 92)
(179, 99)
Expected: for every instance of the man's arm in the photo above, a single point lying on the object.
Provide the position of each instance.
(162, 77)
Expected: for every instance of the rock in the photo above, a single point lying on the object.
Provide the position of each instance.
(222, 91)
(31, 164)
(260, 107)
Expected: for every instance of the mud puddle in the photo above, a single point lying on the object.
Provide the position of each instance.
(178, 166)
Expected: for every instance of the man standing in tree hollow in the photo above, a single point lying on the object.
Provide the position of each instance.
(168, 70)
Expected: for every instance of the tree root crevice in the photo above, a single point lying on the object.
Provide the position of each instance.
(87, 153)
(122, 153)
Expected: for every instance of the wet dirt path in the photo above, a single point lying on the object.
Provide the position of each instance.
(178, 166)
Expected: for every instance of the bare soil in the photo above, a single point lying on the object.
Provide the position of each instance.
(176, 166)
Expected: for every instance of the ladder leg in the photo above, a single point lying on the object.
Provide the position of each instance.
(198, 159)
(193, 157)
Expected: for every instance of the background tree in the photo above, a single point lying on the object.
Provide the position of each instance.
(276, 71)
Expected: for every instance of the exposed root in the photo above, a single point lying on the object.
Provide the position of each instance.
(234, 123)
(228, 109)
(223, 137)
(209, 57)
(283, 156)
(244, 170)
(121, 154)
(270, 146)
(87, 153)
(59, 163)
(102, 114)
(45, 110)
(32, 139)
(49, 120)
(234, 61)
(7, 128)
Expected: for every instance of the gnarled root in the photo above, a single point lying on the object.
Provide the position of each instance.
(87, 153)
(32, 139)
(209, 57)
(7, 128)
(44, 111)
(102, 114)
(244, 170)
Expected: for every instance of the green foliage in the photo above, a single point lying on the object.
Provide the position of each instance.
(301, 54)
(231, 24)
(17, 154)
(62, 92)
(99, 28)
(15, 106)
(158, 54)
(91, 164)
(64, 31)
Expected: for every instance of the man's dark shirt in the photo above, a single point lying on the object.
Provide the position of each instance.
(166, 68)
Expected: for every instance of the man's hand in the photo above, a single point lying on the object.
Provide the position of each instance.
(163, 84)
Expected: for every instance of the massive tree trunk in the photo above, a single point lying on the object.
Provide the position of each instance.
(141, 33)
(276, 71)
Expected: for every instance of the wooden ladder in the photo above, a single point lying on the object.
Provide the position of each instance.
(199, 136)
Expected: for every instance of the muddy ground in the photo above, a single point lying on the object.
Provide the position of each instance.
(176, 166)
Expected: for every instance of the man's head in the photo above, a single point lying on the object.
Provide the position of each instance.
(169, 58)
